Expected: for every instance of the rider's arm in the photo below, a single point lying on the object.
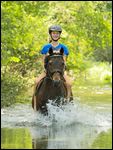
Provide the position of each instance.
(44, 53)
(43, 58)
(65, 58)
(66, 52)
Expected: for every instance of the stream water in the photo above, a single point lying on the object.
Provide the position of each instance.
(73, 126)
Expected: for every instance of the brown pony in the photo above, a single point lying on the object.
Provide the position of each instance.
(52, 86)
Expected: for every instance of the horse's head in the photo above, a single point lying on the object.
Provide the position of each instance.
(55, 65)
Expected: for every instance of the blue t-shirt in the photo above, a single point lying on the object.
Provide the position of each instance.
(46, 47)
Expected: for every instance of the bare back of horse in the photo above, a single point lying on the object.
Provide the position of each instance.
(52, 86)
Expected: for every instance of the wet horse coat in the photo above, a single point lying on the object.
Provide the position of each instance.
(52, 86)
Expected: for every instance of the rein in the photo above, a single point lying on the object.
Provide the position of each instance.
(55, 55)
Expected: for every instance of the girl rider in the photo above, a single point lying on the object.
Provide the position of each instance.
(54, 32)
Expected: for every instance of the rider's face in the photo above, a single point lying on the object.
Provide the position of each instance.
(55, 35)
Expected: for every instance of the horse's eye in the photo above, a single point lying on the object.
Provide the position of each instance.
(62, 63)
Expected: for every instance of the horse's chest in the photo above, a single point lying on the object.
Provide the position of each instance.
(49, 91)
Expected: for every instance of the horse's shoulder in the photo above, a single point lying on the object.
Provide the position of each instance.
(39, 85)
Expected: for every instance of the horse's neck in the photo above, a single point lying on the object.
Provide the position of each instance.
(48, 86)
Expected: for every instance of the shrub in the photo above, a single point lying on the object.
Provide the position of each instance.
(12, 84)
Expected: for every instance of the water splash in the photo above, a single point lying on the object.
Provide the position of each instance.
(77, 113)
(64, 115)
(61, 127)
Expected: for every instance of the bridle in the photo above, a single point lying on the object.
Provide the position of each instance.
(49, 74)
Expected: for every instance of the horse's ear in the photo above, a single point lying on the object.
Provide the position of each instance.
(61, 51)
(50, 51)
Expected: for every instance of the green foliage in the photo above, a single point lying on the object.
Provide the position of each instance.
(86, 28)
(87, 31)
(12, 84)
(20, 34)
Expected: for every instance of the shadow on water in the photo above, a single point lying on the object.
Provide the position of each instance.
(70, 126)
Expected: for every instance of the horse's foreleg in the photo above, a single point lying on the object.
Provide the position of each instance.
(71, 96)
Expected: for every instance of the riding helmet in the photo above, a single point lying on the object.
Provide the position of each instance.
(55, 28)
